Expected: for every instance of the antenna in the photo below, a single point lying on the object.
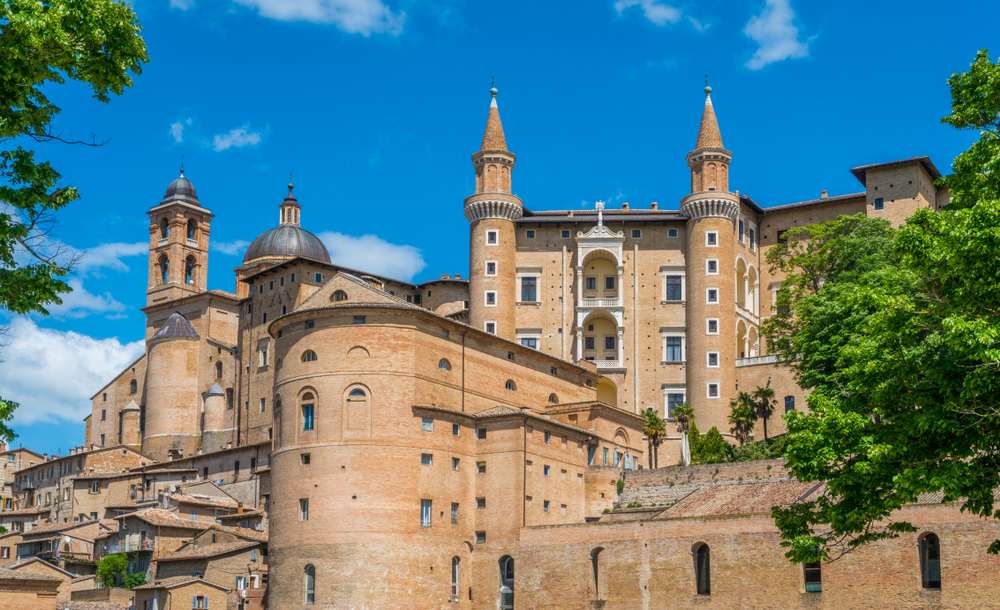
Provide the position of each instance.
(182, 165)
(706, 80)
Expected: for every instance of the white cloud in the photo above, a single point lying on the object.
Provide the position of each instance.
(657, 13)
(229, 247)
(373, 254)
(109, 256)
(363, 17)
(777, 36)
(239, 137)
(177, 129)
(701, 27)
(181, 4)
(80, 303)
(53, 374)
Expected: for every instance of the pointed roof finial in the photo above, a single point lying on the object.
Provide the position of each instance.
(182, 165)
(493, 138)
(709, 135)
(708, 90)
(290, 185)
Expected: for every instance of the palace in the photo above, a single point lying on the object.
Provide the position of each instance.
(404, 445)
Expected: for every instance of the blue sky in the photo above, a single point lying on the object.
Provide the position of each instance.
(376, 106)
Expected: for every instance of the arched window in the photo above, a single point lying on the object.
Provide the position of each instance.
(930, 561)
(510, 385)
(164, 269)
(506, 583)
(703, 569)
(357, 393)
(308, 407)
(553, 399)
(189, 270)
(310, 584)
(218, 370)
(164, 229)
(309, 356)
(133, 387)
(455, 564)
(192, 229)
(340, 295)
(444, 364)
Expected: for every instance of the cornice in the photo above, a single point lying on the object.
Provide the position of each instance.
(708, 204)
(493, 205)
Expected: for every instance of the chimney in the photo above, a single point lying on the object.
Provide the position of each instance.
(239, 508)
(822, 194)
(654, 206)
(625, 206)
(445, 276)
(458, 277)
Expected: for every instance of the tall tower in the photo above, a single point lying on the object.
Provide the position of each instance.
(711, 291)
(178, 244)
(492, 212)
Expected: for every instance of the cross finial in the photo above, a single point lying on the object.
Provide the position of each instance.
(182, 165)
(493, 85)
(708, 89)
(706, 80)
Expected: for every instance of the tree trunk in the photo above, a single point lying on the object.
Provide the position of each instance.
(650, 446)
(765, 429)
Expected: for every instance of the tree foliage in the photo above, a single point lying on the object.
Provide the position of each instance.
(134, 579)
(903, 359)
(44, 44)
(742, 417)
(111, 569)
(655, 429)
(712, 448)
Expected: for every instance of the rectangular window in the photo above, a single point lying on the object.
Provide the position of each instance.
(456, 429)
(427, 424)
(605, 456)
(783, 237)
(531, 342)
(480, 467)
(618, 458)
(284, 310)
(305, 459)
(454, 512)
(480, 537)
(530, 234)
(674, 349)
(271, 286)
(713, 326)
(304, 509)
(307, 417)
(480, 502)
(713, 390)
(528, 289)
(609, 343)
(319, 277)
(713, 359)
(753, 238)
(194, 514)
(282, 282)
(789, 403)
(262, 407)
(293, 277)
(742, 227)
(565, 234)
(636, 233)
(481, 434)
(879, 204)
(711, 238)
(260, 289)
(609, 282)
(359, 319)
(454, 463)
(491, 327)
(713, 295)
(491, 238)
(591, 283)
(545, 505)
(102, 440)
(491, 297)
(712, 267)
(814, 577)
(671, 232)
(548, 436)
(491, 267)
(426, 459)
(588, 343)
(310, 324)
(95, 487)
(104, 414)
(545, 470)
(673, 401)
(425, 513)
(673, 288)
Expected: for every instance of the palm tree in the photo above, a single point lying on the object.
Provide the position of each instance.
(742, 416)
(764, 404)
(684, 416)
(654, 428)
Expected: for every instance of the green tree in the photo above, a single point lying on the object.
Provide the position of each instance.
(904, 362)
(134, 579)
(742, 416)
(684, 416)
(655, 429)
(712, 448)
(111, 569)
(694, 440)
(43, 44)
(764, 404)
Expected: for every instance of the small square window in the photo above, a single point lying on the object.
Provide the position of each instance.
(480, 537)
(444, 334)
(609, 282)
(427, 424)
(480, 467)
(879, 204)
(359, 319)
(305, 459)
(711, 238)
(545, 470)
(426, 459)
(491, 268)
(456, 429)
(480, 502)
(491, 238)
(491, 297)
(588, 343)
(712, 267)
(671, 232)
(713, 326)
(636, 233)
(491, 327)
(454, 463)
(713, 390)
(310, 324)
(530, 235)
(545, 505)
(480, 434)
(713, 359)
(713, 295)
(565, 234)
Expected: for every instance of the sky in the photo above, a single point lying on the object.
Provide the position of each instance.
(375, 106)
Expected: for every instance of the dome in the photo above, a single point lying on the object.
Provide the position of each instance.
(181, 189)
(287, 241)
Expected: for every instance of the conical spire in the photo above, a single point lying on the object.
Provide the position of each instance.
(493, 138)
(708, 133)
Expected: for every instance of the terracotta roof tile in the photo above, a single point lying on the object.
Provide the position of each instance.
(58, 527)
(37, 510)
(174, 581)
(165, 518)
(861, 172)
(741, 499)
(186, 499)
(708, 133)
(209, 550)
(243, 532)
(493, 138)
(6, 574)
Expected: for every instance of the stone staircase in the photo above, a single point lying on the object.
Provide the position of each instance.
(666, 495)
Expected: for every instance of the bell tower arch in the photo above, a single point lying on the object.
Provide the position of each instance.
(179, 228)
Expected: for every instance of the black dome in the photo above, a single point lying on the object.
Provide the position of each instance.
(287, 241)
(181, 189)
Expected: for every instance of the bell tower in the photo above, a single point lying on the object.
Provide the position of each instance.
(492, 213)
(178, 244)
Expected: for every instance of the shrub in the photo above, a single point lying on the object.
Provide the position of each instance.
(621, 486)
(110, 568)
(135, 579)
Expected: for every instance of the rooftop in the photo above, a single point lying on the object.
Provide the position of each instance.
(165, 518)
(741, 499)
(176, 581)
(861, 172)
(209, 550)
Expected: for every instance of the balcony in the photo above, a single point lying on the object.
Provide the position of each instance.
(192, 242)
(755, 360)
(607, 364)
(601, 303)
(746, 313)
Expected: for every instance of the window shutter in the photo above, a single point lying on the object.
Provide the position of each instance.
(206, 602)
(194, 601)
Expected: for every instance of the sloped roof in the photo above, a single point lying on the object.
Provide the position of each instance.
(177, 581)
(59, 527)
(242, 532)
(493, 138)
(741, 499)
(861, 172)
(165, 518)
(208, 550)
(36, 510)
(708, 132)
(6, 574)
(200, 501)
(176, 327)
